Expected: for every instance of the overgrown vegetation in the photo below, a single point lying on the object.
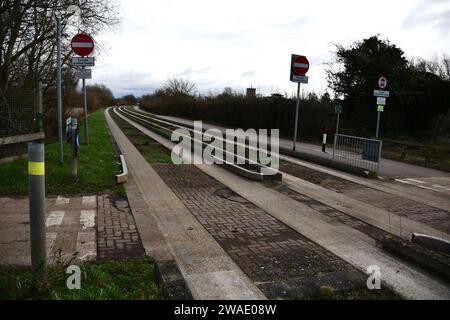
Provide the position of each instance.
(28, 50)
(96, 165)
(119, 279)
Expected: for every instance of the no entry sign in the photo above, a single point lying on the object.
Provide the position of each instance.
(299, 67)
(82, 44)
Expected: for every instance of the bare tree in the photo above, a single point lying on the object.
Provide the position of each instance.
(28, 40)
(182, 86)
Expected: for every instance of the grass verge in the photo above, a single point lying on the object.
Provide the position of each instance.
(96, 165)
(130, 279)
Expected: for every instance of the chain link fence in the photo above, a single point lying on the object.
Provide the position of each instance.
(20, 118)
(18, 111)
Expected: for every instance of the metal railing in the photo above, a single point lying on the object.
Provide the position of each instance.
(358, 152)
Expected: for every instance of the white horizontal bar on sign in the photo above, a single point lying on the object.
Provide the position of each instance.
(301, 65)
(82, 44)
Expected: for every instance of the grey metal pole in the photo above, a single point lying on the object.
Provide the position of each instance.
(86, 139)
(378, 125)
(296, 116)
(335, 135)
(39, 108)
(36, 185)
(58, 89)
(74, 162)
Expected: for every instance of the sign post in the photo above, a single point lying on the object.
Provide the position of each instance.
(83, 45)
(58, 89)
(381, 101)
(337, 110)
(299, 67)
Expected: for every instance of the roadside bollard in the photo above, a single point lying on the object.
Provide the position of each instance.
(36, 193)
(324, 142)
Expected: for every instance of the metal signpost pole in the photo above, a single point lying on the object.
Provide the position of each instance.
(296, 116)
(74, 142)
(58, 89)
(338, 111)
(36, 191)
(378, 124)
(86, 139)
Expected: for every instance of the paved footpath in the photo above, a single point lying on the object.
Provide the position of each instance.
(72, 224)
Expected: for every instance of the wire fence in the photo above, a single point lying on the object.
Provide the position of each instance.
(358, 152)
(20, 110)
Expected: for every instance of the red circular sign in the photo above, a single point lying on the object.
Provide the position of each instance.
(300, 65)
(382, 82)
(82, 44)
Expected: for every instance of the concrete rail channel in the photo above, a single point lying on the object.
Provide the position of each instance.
(271, 248)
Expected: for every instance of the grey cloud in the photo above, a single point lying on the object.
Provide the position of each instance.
(189, 71)
(430, 13)
(249, 73)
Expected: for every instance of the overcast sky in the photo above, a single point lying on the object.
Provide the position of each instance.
(248, 43)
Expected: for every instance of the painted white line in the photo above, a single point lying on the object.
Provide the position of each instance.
(89, 200)
(429, 188)
(414, 180)
(61, 200)
(50, 238)
(406, 182)
(441, 187)
(87, 219)
(82, 44)
(86, 247)
(301, 65)
(55, 218)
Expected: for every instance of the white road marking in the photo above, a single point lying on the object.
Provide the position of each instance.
(89, 200)
(50, 238)
(86, 247)
(87, 219)
(55, 218)
(414, 180)
(417, 185)
(441, 187)
(61, 200)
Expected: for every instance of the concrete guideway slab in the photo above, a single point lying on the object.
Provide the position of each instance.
(209, 272)
(335, 238)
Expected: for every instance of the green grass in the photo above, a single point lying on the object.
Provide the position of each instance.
(119, 279)
(96, 165)
(152, 151)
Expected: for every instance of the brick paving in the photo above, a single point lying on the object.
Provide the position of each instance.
(330, 212)
(434, 217)
(267, 250)
(117, 235)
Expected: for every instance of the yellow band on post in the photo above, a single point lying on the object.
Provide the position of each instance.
(36, 168)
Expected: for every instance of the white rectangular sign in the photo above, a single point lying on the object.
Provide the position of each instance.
(301, 79)
(381, 93)
(83, 61)
(83, 73)
(381, 101)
